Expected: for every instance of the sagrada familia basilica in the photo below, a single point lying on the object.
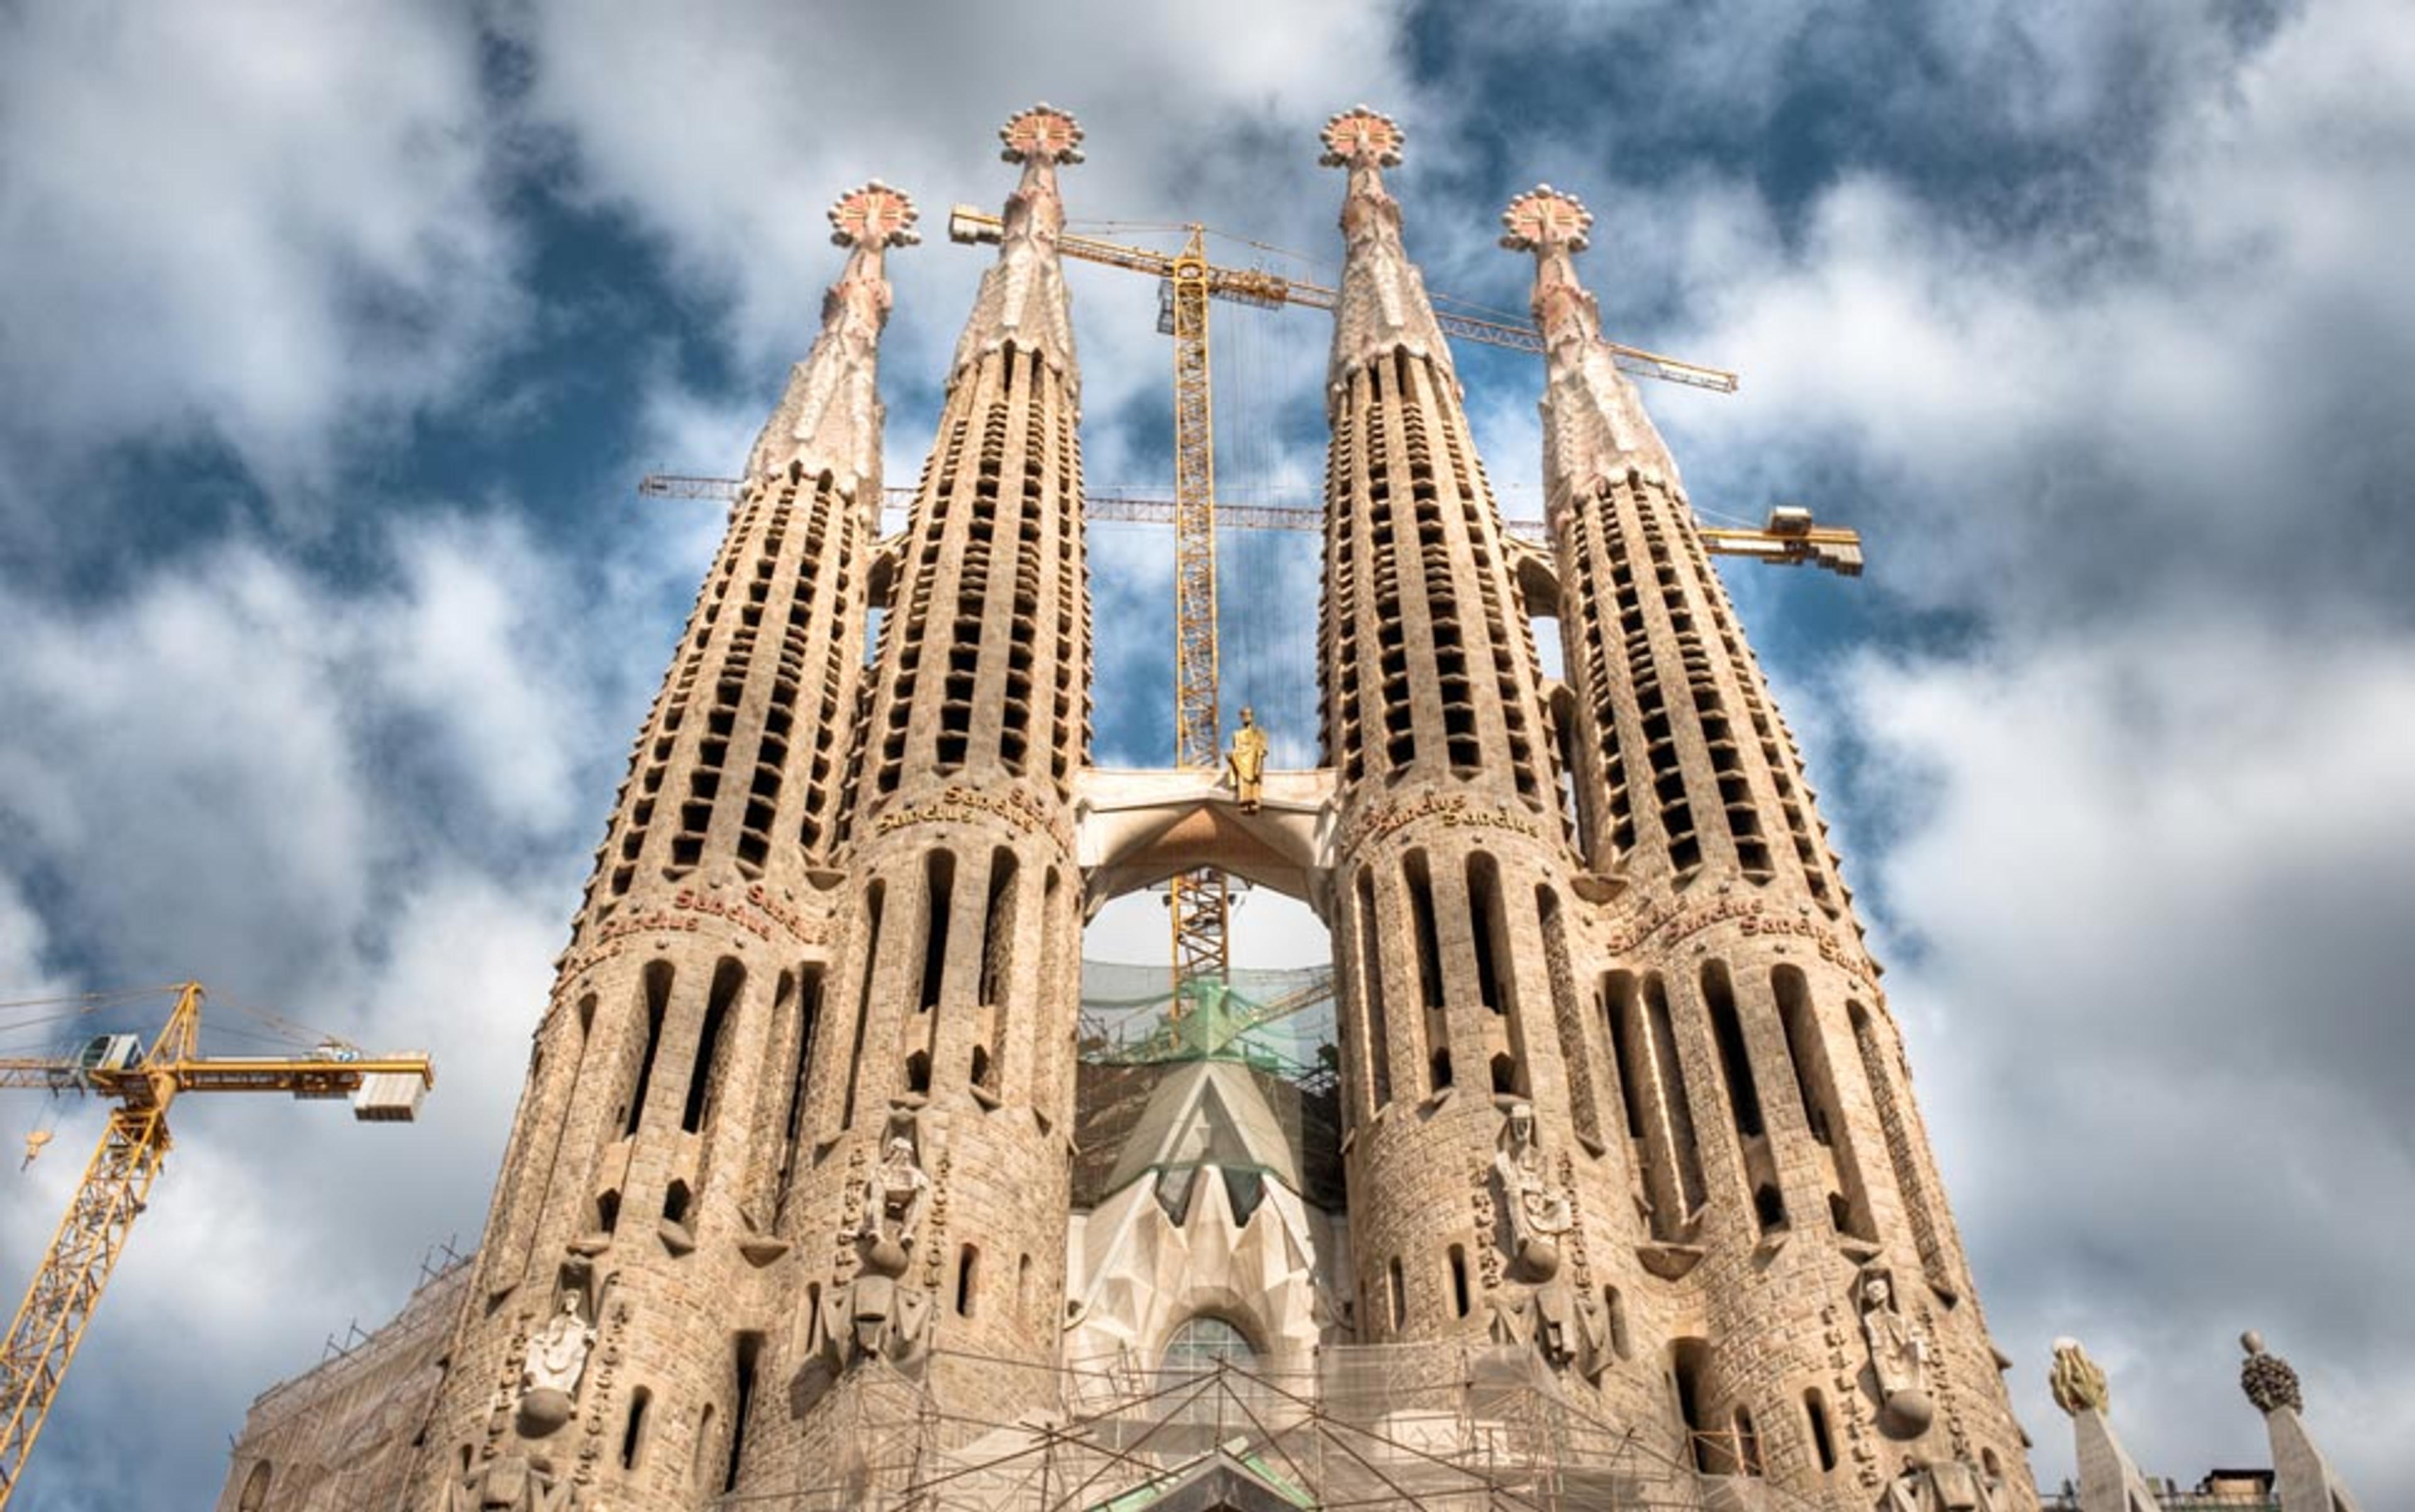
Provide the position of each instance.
(1617, 1195)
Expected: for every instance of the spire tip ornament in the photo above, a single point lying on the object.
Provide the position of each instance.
(1545, 217)
(873, 214)
(1044, 131)
(1360, 135)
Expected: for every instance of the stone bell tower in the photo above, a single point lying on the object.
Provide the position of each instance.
(1475, 1214)
(613, 1325)
(1811, 1293)
(931, 1198)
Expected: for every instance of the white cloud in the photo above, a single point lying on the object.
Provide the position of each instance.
(253, 225)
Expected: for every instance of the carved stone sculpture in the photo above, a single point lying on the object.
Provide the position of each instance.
(877, 1314)
(1938, 1485)
(1538, 1214)
(1898, 1358)
(1565, 1323)
(2078, 1381)
(896, 1195)
(512, 1482)
(549, 1371)
(2268, 1379)
(1245, 762)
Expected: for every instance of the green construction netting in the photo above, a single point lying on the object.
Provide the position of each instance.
(1279, 1022)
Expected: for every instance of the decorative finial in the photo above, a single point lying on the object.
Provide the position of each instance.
(2267, 1378)
(1360, 135)
(2078, 1381)
(1545, 217)
(1043, 130)
(873, 214)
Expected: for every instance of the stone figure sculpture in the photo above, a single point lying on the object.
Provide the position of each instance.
(894, 1197)
(549, 1371)
(1538, 1214)
(2078, 1381)
(877, 1314)
(1938, 1485)
(1245, 762)
(1565, 1323)
(512, 1482)
(1898, 1358)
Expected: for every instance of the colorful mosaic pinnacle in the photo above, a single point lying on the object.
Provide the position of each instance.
(873, 214)
(1360, 135)
(1043, 130)
(1546, 217)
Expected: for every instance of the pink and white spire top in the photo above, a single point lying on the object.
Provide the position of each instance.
(1382, 305)
(1021, 299)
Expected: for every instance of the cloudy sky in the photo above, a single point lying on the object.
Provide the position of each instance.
(333, 340)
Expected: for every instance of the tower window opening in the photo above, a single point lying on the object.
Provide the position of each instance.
(1567, 1019)
(1377, 1047)
(1676, 1109)
(1735, 1062)
(676, 1201)
(997, 927)
(1815, 1410)
(608, 1211)
(657, 985)
(1397, 1293)
(728, 979)
(968, 1266)
(633, 1436)
(853, 1070)
(1440, 1070)
(1488, 925)
(918, 1071)
(1714, 1449)
(1460, 1301)
(1505, 1075)
(1429, 937)
(750, 1350)
(940, 876)
(808, 1015)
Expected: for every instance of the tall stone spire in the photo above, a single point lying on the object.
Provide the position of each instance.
(928, 1212)
(830, 418)
(658, 1135)
(1021, 299)
(1382, 305)
(1775, 1156)
(1594, 419)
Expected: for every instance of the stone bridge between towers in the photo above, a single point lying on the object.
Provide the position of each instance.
(1136, 828)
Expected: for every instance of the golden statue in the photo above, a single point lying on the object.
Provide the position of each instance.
(1245, 762)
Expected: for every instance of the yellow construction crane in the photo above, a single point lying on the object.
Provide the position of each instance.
(66, 1286)
(1789, 536)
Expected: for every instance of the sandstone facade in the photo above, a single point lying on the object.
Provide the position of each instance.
(1629, 1151)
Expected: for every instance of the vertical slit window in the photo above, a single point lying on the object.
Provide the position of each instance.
(1815, 1410)
(1487, 927)
(997, 927)
(729, 978)
(853, 1070)
(750, 1350)
(632, 1434)
(658, 1002)
(1429, 937)
(1377, 1046)
(1460, 1301)
(938, 879)
(809, 1013)
(1735, 1061)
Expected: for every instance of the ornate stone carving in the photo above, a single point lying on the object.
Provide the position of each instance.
(1382, 303)
(552, 1364)
(1537, 1212)
(1021, 299)
(1594, 424)
(2267, 1378)
(511, 1482)
(896, 1194)
(1898, 1356)
(830, 417)
(1561, 1321)
(2078, 1381)
(877, 1313)
(1245, 762)
(1940, 1486)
